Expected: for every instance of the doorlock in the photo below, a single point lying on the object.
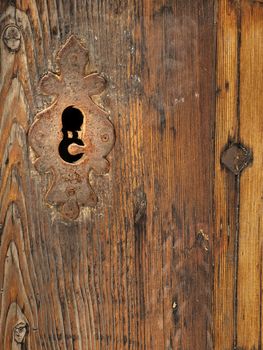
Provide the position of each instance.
(73, 135)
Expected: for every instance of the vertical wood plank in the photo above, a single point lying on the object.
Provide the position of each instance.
(249, 301)
(136, 272)
(178, 127)
(226, 185)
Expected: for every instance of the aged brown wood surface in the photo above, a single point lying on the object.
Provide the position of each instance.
(226, 183)
(171, 256)
(136, 271)
(249, 277)
(238, 199)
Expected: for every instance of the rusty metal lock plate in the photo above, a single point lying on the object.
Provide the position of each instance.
(73, 135)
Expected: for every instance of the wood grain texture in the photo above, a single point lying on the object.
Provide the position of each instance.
(226, 190)
(134, 272)
(238, 200)
(249, 301)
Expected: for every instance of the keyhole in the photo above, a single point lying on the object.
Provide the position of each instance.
(72, 120)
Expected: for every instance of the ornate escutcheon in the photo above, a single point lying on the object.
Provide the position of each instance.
(73, 135)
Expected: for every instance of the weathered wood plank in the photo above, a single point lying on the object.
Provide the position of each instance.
(249, 298)
(135, 272)
(226, 183)
(177, 83)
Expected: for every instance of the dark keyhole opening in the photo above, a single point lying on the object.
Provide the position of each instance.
(72, 120)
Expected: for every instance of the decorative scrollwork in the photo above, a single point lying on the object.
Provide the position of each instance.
(73, 135)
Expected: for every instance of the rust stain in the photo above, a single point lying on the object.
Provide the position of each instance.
(84, 148)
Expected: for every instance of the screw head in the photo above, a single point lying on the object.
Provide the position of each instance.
(105, 137)
(12, 37)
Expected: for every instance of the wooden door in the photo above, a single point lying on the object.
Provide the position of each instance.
(160, 246)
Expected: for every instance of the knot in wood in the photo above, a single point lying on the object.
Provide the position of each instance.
(20, 331)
